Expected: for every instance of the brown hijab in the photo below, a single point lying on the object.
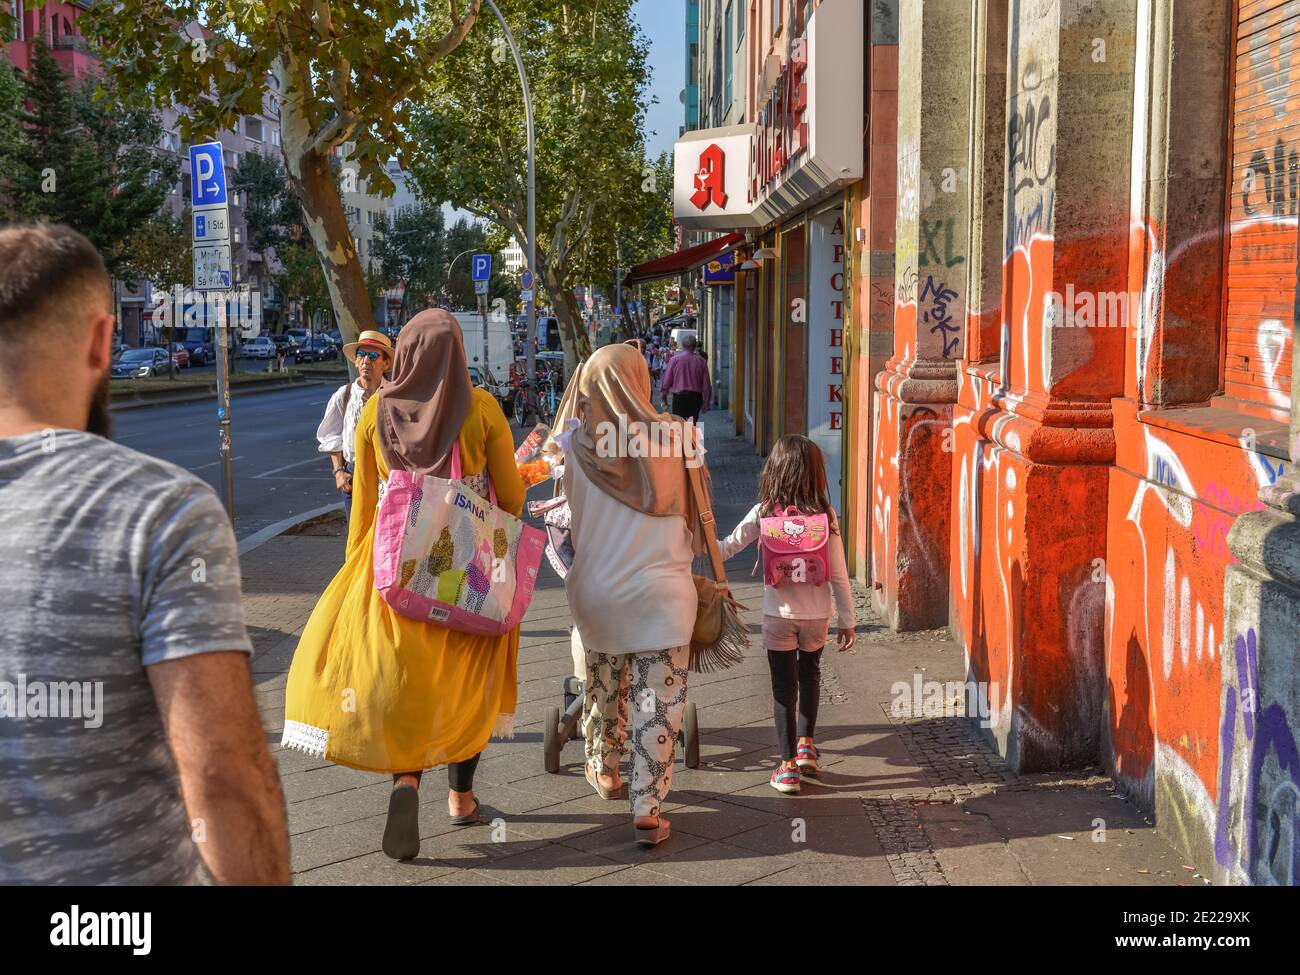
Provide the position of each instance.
(424, 405)
(615, 382)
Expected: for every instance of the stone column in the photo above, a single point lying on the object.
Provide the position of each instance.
(1033, 472)
(915, 392)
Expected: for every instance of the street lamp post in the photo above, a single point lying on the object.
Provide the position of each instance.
(530, 392)
(470, 250)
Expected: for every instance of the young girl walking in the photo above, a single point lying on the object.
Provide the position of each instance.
(797, 594)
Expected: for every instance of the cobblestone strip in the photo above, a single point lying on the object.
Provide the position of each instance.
(956, 766)
(907, 847)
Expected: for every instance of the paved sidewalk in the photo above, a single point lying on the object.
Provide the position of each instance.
(909, 800)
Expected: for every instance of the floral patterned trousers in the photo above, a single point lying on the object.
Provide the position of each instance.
(651, 687)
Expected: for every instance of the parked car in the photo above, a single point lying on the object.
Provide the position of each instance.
(317, 350)
(483, 377)
(261, 347)
(283, 345)
(197, 342)
(118, 349)
(298, 336)
(140, 364)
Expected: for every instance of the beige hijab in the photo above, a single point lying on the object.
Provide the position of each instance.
(424, 405)
(615, 383)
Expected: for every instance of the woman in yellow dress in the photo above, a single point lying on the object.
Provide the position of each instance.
(372, 689)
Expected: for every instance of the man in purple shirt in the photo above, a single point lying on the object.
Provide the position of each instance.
(686, 380)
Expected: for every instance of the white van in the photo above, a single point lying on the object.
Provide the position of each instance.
(680, 335)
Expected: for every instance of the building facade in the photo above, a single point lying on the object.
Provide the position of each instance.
(1085, 458)
(780, 158)
(1055, 315)
(56, 23)
(720, 59)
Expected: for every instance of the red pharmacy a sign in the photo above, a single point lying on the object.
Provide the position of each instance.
(709, 179)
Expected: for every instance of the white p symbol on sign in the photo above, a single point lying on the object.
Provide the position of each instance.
(205, 172)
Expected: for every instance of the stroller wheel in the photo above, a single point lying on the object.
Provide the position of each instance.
(551, 743)
(691, 736)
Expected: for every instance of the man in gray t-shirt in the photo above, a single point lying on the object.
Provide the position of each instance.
(124, 678)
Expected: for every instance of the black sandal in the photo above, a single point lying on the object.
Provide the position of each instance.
(471, 818)
(402, 832)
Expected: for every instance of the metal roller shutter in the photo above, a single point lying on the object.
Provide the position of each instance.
(1265, 201)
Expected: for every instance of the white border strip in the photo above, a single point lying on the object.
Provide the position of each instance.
(264, 535)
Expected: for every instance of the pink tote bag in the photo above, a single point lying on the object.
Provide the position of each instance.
(446, 555)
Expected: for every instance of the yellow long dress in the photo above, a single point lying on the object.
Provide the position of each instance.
(374, 690)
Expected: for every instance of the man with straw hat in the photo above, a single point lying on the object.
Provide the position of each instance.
(372, 353)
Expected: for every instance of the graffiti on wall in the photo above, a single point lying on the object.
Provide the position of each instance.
(1257, 827)
(936, 315)
(1031, 161)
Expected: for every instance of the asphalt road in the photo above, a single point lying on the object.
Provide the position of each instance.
(278, 470)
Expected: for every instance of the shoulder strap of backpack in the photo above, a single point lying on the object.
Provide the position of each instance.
(347, 397)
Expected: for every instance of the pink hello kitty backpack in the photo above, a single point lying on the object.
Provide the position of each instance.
(793, 547)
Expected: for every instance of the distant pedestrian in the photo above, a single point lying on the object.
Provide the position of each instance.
(337, 433)
(796, 614)
(370, 688)
(629, 588)
(131, 749)
(686, 381)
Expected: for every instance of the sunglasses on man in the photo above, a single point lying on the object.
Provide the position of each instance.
(370, 354)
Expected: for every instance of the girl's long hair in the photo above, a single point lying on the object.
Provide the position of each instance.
(795, 474)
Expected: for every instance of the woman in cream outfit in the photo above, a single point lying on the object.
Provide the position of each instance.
(630, 588)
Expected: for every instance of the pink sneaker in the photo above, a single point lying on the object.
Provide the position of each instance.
(806, 757)
(786, 780)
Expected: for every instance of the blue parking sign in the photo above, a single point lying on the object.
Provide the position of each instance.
(481, 267)
(207, 175)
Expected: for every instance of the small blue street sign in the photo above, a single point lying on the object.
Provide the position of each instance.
(481, 267)
(207, 175)
(200, 225)
(527, 281)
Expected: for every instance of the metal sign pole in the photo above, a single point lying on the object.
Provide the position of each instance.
(223, 412)
(482, 308)
(214, 273)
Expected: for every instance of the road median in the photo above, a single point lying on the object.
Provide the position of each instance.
(132, 394)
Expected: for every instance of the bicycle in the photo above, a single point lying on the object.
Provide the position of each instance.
(548, 400)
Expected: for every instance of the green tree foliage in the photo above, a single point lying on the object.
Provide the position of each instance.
(88, 158)
(303, 280)
(340, 72)
(271, 210)
(417, 247)
(411, 247)
(160, 251)
(586, 65)
(11, 134)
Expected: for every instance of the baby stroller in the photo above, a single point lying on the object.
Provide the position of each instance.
(562, 726)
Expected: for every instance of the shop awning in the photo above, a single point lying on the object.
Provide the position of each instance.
(687, 259)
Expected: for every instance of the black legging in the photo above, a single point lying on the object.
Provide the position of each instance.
(795, 674)
(460, 775)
